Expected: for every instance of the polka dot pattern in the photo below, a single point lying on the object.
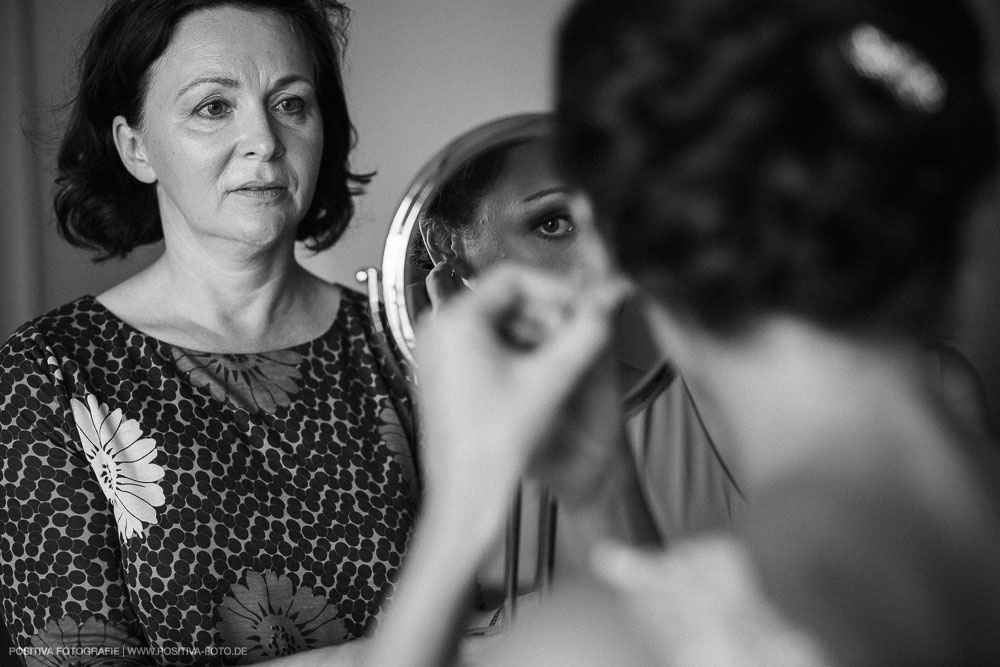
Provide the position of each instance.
(287, 477)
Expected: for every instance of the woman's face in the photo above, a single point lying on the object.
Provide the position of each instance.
(233, 129)
(526, 218)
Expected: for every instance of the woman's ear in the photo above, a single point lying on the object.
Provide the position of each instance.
(444, 246)
(131, 147)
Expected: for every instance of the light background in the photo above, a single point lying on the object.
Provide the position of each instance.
(418, 72)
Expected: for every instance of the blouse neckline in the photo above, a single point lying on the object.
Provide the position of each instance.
(90, 300)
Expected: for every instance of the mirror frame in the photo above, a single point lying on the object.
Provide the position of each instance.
(432, 176)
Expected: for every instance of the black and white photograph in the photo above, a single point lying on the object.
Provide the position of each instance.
(455, 333)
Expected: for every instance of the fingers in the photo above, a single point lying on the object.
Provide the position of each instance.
(513, 305)
(584, 329)
(543, 331)
(527, 308)
(443, 282)
(498, 365)
(512, 287)
(692, 564)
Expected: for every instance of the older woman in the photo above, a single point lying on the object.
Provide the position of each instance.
(210, 460)
(789, 180)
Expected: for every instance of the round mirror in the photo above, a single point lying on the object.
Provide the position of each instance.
(494, 195)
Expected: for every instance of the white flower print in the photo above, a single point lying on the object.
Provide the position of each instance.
(271, 617)
(122, 459)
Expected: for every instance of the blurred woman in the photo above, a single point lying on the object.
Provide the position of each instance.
(789, 181)
(509, 203)
(209, 461)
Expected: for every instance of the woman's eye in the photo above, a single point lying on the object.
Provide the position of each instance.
(214, 109)
(556, 227)
(290, 105)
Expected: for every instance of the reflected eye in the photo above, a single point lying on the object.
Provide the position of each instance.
(214, 109)
(291, 105)
(555, 227)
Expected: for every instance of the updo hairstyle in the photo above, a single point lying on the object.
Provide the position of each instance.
(751, 157)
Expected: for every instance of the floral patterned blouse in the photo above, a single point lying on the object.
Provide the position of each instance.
(160, 505)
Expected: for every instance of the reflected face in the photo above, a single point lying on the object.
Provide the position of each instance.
(232, 128)
(526, 217)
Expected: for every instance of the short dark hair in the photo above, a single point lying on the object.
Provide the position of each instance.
(741, 163)
(101, 206)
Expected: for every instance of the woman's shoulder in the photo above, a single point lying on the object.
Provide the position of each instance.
(847, 557)
(352, 300)
(355, 315)
(41, 353)
(75, 320)
(363, 327)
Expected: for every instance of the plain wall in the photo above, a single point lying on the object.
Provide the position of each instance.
(39, 43)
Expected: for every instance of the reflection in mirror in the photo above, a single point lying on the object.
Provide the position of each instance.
(505, 204)
(493, 195)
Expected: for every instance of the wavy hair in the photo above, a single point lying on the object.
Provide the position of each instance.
(101, 206)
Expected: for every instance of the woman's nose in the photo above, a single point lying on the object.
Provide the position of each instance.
(259, 140)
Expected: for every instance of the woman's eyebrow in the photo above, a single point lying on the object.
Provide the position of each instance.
(226, 82)
(543, 193)
(293, 78)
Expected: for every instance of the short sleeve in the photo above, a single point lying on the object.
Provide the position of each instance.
(61, 575)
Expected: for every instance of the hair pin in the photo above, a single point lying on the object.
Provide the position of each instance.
(909, 77)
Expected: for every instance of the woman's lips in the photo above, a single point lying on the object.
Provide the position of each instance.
(261, 192)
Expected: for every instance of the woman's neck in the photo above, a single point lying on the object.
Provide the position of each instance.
(226, 303)
(791, 395)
